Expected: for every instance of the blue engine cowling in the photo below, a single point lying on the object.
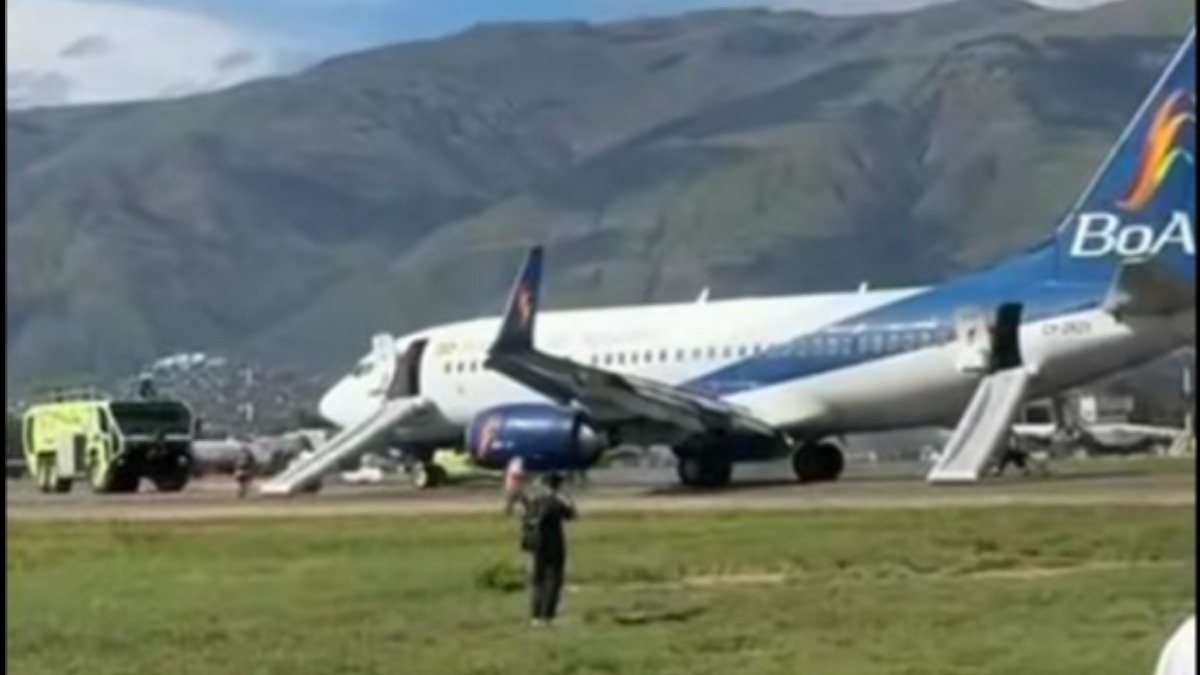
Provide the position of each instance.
(545, 437)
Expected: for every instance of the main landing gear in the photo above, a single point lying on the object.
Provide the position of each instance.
(704, 472)
(818, 463)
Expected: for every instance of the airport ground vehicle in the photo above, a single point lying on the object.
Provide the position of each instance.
(110, 444)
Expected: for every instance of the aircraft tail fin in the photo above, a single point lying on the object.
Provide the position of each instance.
(516, 328)
(1142, 203)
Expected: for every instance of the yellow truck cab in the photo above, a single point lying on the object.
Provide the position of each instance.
(110, 444)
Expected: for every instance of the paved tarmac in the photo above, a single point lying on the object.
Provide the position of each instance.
(654, 490)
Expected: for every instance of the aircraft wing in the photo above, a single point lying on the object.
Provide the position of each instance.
(609, 397)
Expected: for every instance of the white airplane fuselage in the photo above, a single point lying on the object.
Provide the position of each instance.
(883, 386)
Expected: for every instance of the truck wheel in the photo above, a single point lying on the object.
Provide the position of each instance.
(439, 475)
(123, 482)
(171, 482)
(429, 477)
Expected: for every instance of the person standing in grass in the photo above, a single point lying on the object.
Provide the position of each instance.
(544, 538)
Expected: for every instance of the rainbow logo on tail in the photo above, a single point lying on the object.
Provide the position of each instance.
(524, 306)
(1163, 149)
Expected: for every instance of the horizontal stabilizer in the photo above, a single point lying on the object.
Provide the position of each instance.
(1144, 288)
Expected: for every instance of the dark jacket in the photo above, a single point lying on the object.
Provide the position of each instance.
(543, 531)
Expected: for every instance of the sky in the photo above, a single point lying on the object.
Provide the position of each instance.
(84, 51)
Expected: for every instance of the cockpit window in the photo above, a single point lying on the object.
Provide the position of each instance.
(363, 368)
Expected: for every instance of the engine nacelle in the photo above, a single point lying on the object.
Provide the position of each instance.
(545, 437)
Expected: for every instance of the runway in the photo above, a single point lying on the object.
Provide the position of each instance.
(625, 491)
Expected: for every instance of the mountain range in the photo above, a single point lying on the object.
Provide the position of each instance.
(747, 151)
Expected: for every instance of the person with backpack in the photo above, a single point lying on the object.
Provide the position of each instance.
(543, 538)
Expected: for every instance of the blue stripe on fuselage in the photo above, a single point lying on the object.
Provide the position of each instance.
(1028, 279)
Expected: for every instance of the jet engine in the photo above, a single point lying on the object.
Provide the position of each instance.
(544, 437)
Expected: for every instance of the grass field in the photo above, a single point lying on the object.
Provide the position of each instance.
(999, 592)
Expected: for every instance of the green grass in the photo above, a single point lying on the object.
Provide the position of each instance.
(1001, 592)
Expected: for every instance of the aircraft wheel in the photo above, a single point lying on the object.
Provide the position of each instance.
(704, 472)
(818, 463)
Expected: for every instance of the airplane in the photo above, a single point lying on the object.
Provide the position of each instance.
(723, 382)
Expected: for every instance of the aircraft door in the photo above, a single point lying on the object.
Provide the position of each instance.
(383, 363)
(406, 382)
(990, 344)
(1006, 338)
(974, 340)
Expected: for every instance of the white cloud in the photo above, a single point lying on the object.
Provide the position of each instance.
(75, 51)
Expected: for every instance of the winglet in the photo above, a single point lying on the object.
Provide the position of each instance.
(516, 329)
